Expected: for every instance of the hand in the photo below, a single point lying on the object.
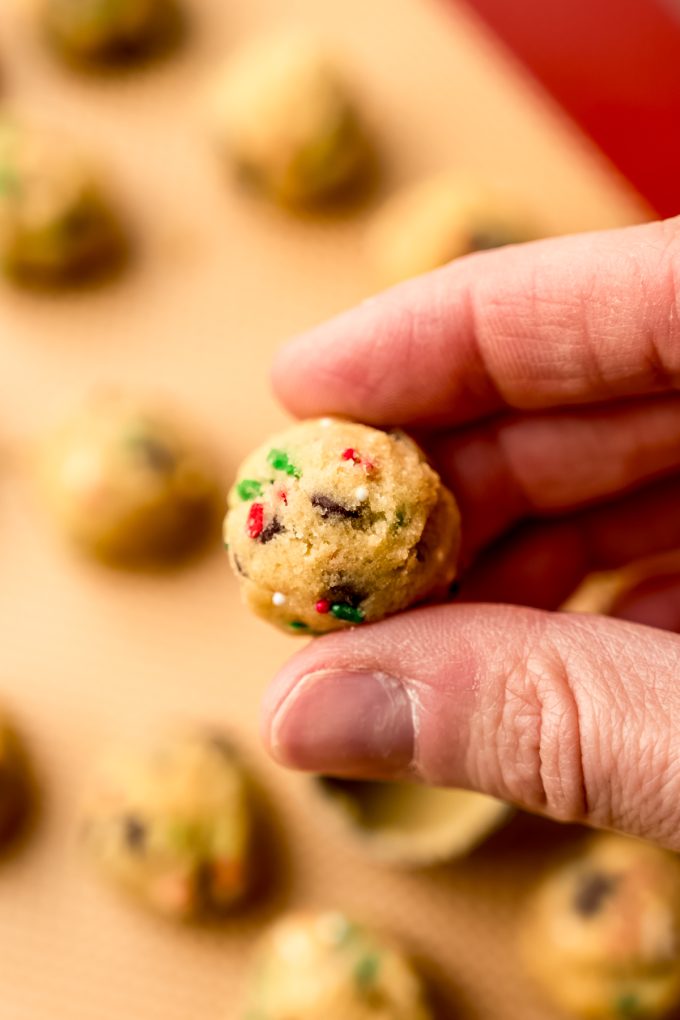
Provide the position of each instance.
(542, 379)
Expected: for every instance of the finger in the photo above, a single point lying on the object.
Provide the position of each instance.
(572, 716)
(541, 564)
(551, 463)
(563, 321)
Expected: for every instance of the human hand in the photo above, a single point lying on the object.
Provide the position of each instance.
(542, 379)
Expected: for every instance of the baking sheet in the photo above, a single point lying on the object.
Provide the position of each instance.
(87, 654)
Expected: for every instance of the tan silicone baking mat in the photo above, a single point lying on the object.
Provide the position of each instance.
(218, 282)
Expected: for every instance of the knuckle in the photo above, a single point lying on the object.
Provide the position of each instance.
(535, 734)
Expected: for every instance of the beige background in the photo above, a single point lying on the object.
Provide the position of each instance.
(86, 654)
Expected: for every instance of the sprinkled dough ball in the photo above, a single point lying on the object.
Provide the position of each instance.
(602, 934)
(107, 31)
(56, 223)
(437, 220)
(284, 116)
(14, 782)
(320, 965)
(171, 824)
(333, 523)
(127, 484)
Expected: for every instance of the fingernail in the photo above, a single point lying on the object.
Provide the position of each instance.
(345, 722)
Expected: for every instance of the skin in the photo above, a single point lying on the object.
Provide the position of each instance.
(543, 380)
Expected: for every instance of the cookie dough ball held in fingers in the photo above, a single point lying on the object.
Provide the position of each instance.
(171, 823)
(128, 484)
(57, 224)
(321, 965)
(110, 31)
(286, 120)
(602, 932)
(333, 524)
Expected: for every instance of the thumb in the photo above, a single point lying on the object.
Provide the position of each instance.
(575, 717)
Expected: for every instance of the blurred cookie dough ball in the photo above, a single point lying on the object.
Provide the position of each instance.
(57, 224)
(332, 524)
(313, 965)
(108, 31)
(128, 483)
(15, 787)
(439, 219)
(171, 823)
(602, 933)
(288, 123)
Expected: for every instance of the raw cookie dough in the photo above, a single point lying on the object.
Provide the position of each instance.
(439, 219)
(127, 484)
(333, 523)
(108, 31)
(286, 120)
(172, 824)
(602, 934)
(14, 782)
(321, 965)
(57, 225)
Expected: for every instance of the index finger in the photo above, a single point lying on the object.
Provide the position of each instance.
(571, 320)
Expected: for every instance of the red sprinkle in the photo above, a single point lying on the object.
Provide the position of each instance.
(255, 522)
(323, 606)
(351, 454)
(283, 497)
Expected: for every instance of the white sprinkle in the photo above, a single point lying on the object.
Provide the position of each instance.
(278, 598)
(361, 494)
(325, 422)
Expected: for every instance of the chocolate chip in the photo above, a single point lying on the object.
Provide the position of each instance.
(593, 890)
(330, 508)
(273, 528)
(422, 549)
(135, 832)
(345, 593)
(156, 454)
(486, 239)
(239, 566)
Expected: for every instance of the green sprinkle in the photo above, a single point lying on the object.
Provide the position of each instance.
(366, 971)
(187, 839)
(627, 1005)
(248, 488)
(298, 625)
(400, 517)
(343, 611)
(280, 461)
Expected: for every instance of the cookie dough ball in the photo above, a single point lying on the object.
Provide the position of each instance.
(128, 484)
(322, 965)
(288, 123)
(14, 781)
(56, 223)
(429, 224)
(107, 31)
(333, 523)
(602, 934)
(171, 824)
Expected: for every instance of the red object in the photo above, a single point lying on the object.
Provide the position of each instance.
(283, 497)
(614, 65)
(323, 606)
(255, 522)
(350, 454)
